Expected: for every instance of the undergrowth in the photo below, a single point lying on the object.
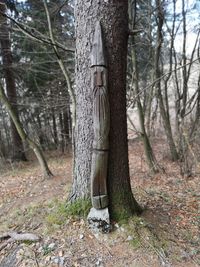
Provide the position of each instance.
(60, 211)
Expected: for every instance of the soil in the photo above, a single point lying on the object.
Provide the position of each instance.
(166, 234)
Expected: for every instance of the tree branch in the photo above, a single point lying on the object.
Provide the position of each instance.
(30, 33)
(62, 66)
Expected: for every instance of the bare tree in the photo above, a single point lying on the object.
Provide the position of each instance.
(163, 100)
(151, 160)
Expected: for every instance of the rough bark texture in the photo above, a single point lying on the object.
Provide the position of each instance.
(83, 134)
(18, 150)
(114, 20)
(121, 199)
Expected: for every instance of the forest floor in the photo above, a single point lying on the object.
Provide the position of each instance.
(166, 234)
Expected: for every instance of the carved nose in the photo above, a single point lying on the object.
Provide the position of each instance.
(99, 80)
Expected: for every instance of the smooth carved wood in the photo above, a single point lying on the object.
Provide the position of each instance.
(101, 123)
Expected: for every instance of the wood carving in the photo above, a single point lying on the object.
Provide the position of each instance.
(101, 122)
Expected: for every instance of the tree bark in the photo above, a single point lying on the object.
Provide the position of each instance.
(18, 149)
(114, 20)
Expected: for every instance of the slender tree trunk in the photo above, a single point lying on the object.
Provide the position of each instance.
(55, 134)
(38, 152)
(66, 127)
(151, 160)
(62, 133)
(185, 101)
(184, 68)
(40, 132)
(6, 130)
(164, 115)
(18, 149)
(114, 21)
(2, 147)
(149, 122)
(64, 120)
(148, 114)
(63, 68)
(47, 131)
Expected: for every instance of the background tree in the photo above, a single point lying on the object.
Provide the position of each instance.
(9, 75)
(34, 146)
(43, 98)
(137, 80)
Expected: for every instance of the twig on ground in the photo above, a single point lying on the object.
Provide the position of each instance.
(20, 236)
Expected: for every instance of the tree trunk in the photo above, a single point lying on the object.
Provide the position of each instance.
(18, 149)
(55, 134)
(2, 147)
(151, 160)
(163, 110)
(41, 137)
(7, 132)
(62, 143)
(38, 152)
(114, 20)
(67, 126)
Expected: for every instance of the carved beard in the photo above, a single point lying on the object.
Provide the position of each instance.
(101, 121)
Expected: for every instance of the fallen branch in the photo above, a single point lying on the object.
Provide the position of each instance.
(14, 236)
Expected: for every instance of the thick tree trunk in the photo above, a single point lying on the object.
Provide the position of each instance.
(115, 23)
(114, 20)
(18, 150)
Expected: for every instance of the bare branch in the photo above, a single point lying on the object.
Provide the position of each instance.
(62, 66)
(31, 34)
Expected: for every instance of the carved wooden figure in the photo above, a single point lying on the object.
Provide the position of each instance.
(101, 122)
